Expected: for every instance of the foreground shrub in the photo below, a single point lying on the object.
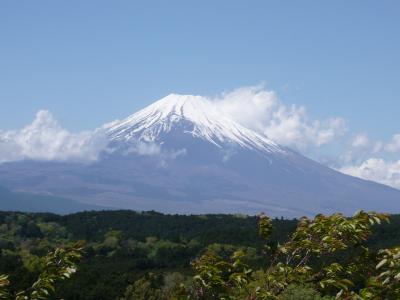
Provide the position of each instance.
(307, 259)
(58, 265)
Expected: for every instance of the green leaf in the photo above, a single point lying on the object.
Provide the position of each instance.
(381, 263)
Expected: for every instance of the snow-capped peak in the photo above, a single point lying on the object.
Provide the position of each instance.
(193, 115)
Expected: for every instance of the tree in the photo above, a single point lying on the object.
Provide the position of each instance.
(308, 258)
(58, 265)
(156, 287)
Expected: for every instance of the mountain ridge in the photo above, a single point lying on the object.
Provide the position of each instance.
(182, 155)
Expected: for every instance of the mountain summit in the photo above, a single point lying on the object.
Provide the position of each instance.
(182, 154)
(192, 115)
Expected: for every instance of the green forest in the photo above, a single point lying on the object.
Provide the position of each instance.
(149, 255)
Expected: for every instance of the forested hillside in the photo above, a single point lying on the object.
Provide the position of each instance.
(121, 247)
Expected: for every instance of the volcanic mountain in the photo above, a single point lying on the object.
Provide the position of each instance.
(183, 155)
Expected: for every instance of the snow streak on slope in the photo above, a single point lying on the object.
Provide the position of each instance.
(194, 115)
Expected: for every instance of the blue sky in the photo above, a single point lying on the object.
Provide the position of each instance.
(90, 62)
(93, 61)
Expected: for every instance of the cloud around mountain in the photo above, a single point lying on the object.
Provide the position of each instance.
(254, 107)
(45, 140)
(376, 169)
(259, 109)
(373, 160)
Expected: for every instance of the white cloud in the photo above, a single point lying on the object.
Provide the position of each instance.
(360, 148)
(394, 145)
(362, 144)
(361, 160)
(45, 140)
(259, 109)
(176, 153)
(155, 150)
(377, 170)
(250, 106)
(145, 149)
(361, 141)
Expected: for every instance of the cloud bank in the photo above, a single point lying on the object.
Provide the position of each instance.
(376, 169)
(45, 140)
(372, 160)
(260, 110)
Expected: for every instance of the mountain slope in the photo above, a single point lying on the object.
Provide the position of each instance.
(182, 155)
(25, 202)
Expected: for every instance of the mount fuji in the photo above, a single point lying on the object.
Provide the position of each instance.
(182, 154)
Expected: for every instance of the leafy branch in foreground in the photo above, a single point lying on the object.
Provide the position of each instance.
(4, 283)
(58, 265)
(307, 259)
